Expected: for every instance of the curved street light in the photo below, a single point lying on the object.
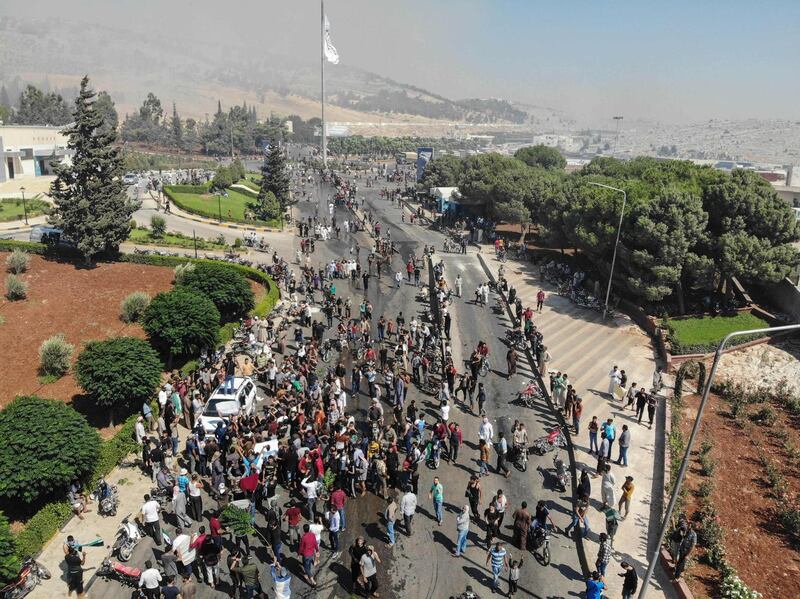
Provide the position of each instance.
(616, 243)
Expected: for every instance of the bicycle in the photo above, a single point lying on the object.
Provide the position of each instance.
(485, 367)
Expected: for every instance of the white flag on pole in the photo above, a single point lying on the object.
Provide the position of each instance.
(330, 51)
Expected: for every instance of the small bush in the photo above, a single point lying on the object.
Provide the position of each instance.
(181, 270)
(16, 288)
(707, 463)
(775, 479)
(181, 321)
(55, 355)
(765, 416)
(227, 288)
(17, 262)
(789, 517)
(705, 488)
(158, 226)
(733, 588)
(134, 306)
(42, 527)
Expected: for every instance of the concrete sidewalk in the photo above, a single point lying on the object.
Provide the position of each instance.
(584, 346)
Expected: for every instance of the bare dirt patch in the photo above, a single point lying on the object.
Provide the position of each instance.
(766, 559)
(82, 303)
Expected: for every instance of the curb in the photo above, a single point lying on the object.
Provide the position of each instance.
(680, 586)
(559, 417)
(217, 223)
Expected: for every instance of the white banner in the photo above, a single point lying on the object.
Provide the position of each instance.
(331, 53)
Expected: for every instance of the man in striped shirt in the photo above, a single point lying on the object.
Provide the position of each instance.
(498, 558)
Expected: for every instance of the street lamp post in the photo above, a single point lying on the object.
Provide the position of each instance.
(219, 204)
(616, 243)
(676, 488)
(24, 205)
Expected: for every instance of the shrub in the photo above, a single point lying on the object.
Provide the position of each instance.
(16, 288)
(707, 463)
(46, 445)
(17, 262)
(55, 355)
(227, 288)
(181, 321)
(705, 488)
(181, 270)
(119, 372)
(42, 527)
(9, 560)
(765, 416)
(116, 448)
(733, 588)
(789, 517)
(238, 520)
(158, 226)
(133, 306)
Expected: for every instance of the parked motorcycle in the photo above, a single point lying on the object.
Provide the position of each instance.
(31, 573)
(106, 497)
(563, 477)
(520, 458)
(128, 536)
(530, 394)
(539, 541)
(113, 570)
(552, 440)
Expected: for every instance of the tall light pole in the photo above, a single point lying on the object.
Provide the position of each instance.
(616, 243)
(24, 206)
(676, 487)
(322, 84)
(616, 137)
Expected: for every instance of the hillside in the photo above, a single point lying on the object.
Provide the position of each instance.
(55, 54)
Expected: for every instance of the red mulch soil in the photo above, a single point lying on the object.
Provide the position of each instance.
(82, 303)
(765, 558)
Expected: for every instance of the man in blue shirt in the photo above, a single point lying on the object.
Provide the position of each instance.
(595, 586)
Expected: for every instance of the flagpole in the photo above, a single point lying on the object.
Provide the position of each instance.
(322, 73)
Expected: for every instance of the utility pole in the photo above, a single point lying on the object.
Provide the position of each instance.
(322, 73)
(616, 137)
(231, 140)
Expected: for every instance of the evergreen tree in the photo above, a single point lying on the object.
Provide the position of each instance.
(177, 128)
(274, 176)
(105, 106)
(4, 99)
(91, 204)
(38, 108)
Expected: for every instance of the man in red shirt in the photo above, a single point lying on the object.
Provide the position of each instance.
(292, 517)
(338, 499)
(309, 552)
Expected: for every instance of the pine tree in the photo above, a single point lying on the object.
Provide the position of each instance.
(274, 176)
(92, 206)
(177, 128)
(4, 99)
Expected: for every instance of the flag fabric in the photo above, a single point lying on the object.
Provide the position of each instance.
(331, 54)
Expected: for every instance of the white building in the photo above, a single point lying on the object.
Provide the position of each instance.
(27, 150)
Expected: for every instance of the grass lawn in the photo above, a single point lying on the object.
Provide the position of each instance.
(143, 236)
(696, 335)
(207, 204)
(12, 208)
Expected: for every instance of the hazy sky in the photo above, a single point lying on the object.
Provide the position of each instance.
(675, 61)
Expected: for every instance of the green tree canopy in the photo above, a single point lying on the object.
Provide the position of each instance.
(181, 321)
(442, 171)
(46, 446)
(91, 203)
(122, 372)
(108, 112)
(9, 560)
(543, 156)
(39, 108)
(227, 288)
(274, 175)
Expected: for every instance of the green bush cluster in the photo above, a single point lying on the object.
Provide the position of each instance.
(123, 371)
(46, 446)
(158, 226)
(17, 262)
(9, 559)
(134, 306)
(181, 270)
(55, 355)
(707, 462)
(227, 288)
(198, 189)
(16, 288)
(181, 321)
(41, 527)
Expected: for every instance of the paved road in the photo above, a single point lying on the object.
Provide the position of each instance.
(421, 565)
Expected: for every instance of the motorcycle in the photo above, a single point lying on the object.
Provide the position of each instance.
(31, 573)
(485, 366)
(539, 540)
(552, 440)
(563, 477)
(128, 536)
(127, 575)
(520, 458)
(516, 340)
(529, 394)
(107, 498)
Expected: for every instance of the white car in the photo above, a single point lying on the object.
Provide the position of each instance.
(129, 179)
(221, 406)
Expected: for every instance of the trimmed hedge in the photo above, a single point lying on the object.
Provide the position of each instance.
(197, 189)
